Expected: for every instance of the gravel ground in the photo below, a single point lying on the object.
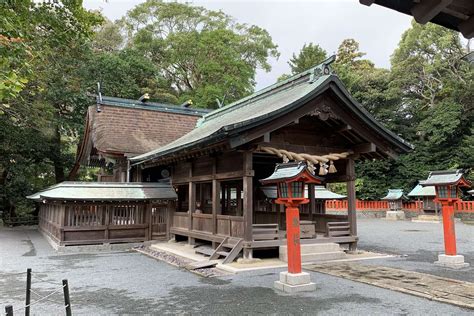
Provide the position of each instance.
(132, 283)
(418, 244)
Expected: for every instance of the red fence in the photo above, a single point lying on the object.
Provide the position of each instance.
(341, 205)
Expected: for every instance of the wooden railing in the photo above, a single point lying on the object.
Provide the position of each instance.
(341, 205)
(464, 206)
(181, 220)
(92, 224)
(202, 222)
(230, 225)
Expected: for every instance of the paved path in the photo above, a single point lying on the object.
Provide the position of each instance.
(418, 245)
(420, 284)
(131, 283)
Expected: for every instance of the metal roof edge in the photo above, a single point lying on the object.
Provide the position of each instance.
(368, 118)
(151, 106)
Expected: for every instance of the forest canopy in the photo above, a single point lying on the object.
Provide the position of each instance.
(54, 53)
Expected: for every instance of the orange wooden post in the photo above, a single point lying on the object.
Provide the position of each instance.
(293, 239)
(449, 230)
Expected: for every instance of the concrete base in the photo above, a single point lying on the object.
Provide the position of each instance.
(248, 260)
(294, 283)
(315, 252)
(427, 219)
(395, 215)
(454, 262)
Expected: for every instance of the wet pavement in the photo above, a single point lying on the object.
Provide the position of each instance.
(131, 283)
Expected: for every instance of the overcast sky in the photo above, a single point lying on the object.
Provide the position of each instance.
(294, 23)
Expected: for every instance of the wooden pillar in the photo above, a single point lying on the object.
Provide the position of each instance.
(351, 199)
(281, 213)
(312, 201)
(107, 209)
(171, 205)
(62, 222)
(192, 208)
(149, 220)
(216, 191)
(248, 202)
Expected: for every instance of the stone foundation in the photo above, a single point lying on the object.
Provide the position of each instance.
(395, 215)
(315, 252)
(295, 282)
(454, 262)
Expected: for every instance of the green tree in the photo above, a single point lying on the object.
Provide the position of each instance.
(309, 56)
(44, 116)
(205, 54)
(434, 109)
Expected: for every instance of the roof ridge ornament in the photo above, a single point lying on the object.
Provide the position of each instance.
(323, 69)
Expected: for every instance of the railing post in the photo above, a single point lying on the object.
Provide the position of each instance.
(67, 301)
(28, 292)
(9, 310)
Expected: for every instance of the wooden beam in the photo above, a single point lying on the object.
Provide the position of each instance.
(367, 2)
(217, 176)
(248, 202)
(351, 199)
(467, 27)
(266, 137)
(426, 10)
(344, 128)
(364, 148)
(312, 201)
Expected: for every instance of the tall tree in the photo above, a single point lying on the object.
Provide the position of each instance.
(205, 54)
(45, 113)
(310, 55)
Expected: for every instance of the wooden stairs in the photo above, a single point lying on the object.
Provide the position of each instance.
(228, 249)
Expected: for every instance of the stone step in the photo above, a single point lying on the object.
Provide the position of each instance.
(315, 248)
(315, 257)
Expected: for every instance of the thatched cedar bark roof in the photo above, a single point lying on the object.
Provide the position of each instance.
(281, 99)
(117, 127)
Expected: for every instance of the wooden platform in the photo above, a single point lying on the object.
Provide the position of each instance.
(263, 243)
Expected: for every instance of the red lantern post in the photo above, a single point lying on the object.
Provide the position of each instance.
(447, 184)
(290, 179)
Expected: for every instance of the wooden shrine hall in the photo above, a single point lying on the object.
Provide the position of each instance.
(216, 167)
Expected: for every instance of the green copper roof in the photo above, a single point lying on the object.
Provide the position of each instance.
(265, 105)
(106, 191)
(420, 190)
(393, 194)
(443, 177)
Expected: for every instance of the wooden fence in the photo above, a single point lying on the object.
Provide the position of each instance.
(341, 205)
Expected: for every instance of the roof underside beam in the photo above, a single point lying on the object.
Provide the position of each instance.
(467, 27)
(426, 10)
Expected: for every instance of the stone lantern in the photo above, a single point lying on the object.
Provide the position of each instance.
(290, 179)
(447, 185)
